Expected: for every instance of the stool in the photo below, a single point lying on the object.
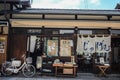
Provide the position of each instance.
(102, 69)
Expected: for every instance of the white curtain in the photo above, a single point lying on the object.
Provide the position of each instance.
(92, 45)
(103, 44)
(88, 44)
(32, 43)
(79, 49)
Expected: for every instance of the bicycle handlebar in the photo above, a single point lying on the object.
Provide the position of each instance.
(13, 59)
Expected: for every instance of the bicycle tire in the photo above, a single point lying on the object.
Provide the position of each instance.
(28, 70)
(5, 70)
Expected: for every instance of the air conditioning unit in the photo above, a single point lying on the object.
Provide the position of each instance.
(3, 23)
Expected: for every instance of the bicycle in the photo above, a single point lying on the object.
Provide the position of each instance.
(15, 66)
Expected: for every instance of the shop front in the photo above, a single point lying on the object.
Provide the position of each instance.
(3, 41)
(65, 42)
(60, 36)
(45, 46)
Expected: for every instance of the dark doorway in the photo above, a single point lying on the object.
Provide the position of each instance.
(85, 64)
(115, 55)
(18, 46)
(35, 47)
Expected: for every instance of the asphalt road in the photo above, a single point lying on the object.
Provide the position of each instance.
(81, 76)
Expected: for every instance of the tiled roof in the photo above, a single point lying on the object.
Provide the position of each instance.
(70, 11)
(9, 1)
(117, 6)
(67, 11)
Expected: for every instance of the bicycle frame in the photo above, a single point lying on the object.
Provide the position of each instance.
(15, 69)
(27, 69)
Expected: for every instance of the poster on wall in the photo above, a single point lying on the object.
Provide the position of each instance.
(66, 47)
(2, 44)
(2, 47)
(52, 47)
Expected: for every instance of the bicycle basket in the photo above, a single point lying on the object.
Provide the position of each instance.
(29, 60)
(16, 63)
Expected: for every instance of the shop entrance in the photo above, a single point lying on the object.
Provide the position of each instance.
(93, 50)
(35, 48)
(115, 59)
(85, 64)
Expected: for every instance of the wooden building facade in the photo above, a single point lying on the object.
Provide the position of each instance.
(54, 32)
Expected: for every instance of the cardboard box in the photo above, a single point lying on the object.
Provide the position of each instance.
(67, 71)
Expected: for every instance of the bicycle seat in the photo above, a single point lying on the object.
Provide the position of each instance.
(13, 59)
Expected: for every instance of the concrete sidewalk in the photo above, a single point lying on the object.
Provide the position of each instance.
(81, 76)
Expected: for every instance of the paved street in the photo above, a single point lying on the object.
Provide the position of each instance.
(81, 76)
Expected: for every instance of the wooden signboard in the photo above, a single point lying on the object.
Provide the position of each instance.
(3, 48)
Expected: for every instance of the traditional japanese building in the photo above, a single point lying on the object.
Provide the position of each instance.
(117, 6)
(55, 32)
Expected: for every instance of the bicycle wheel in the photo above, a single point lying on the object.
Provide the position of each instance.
(28, 70)
(6, 69)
